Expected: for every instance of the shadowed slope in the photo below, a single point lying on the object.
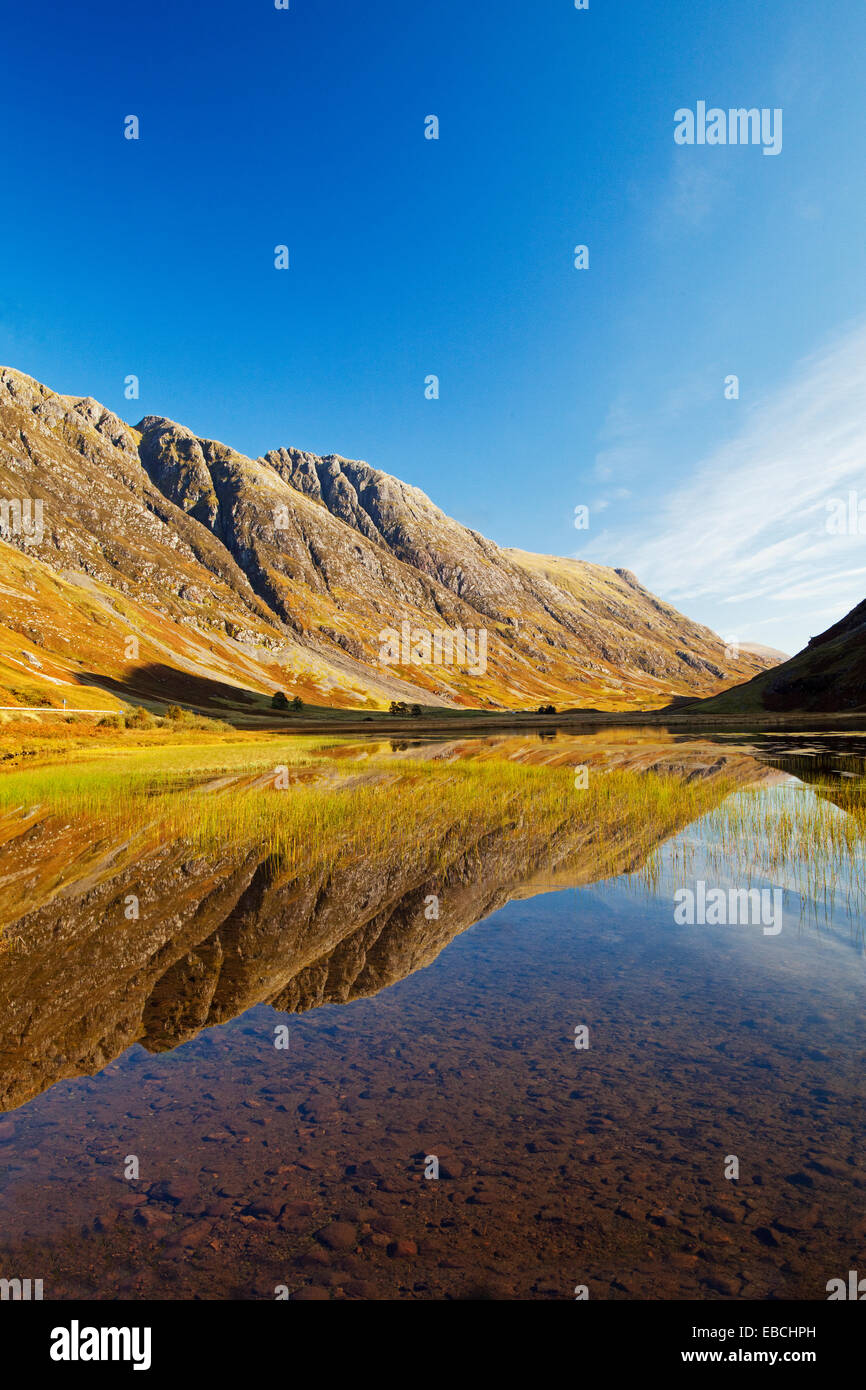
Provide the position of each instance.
(829, 675)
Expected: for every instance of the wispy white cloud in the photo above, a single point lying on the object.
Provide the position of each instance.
(749, 527)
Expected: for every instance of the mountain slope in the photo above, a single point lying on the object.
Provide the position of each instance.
(240, 576)
(829, 675)
(612, 636)
(114, 559)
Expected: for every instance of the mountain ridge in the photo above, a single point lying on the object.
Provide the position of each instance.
(282, 572)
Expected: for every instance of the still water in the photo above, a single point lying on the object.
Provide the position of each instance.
(614, 1100)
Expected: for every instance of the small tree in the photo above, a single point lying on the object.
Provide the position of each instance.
(174, 712)
(297, 703)
(279, 701)
(399, 707)
(139, 718)
(415, 711)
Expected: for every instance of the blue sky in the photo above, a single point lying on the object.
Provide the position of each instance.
(558, 387)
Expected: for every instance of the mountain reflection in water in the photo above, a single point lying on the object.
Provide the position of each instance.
(558, 1167)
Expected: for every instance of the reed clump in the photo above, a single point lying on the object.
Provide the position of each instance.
(301, 800)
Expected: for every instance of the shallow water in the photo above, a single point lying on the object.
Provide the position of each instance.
(301, 1170)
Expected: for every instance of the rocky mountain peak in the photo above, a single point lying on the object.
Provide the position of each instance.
(284, 571)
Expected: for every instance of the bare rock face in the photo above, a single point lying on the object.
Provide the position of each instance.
(239, 574)
(179, 470)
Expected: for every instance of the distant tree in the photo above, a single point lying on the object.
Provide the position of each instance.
(279, 701)
(297, 703)
(174, 712)
(399, 707)
(546, 709)
(415, 711)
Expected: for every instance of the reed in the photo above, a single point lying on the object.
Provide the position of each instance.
(809, 840)
(325, 802)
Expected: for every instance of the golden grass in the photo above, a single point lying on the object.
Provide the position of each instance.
(337, 801)
(336, 805)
